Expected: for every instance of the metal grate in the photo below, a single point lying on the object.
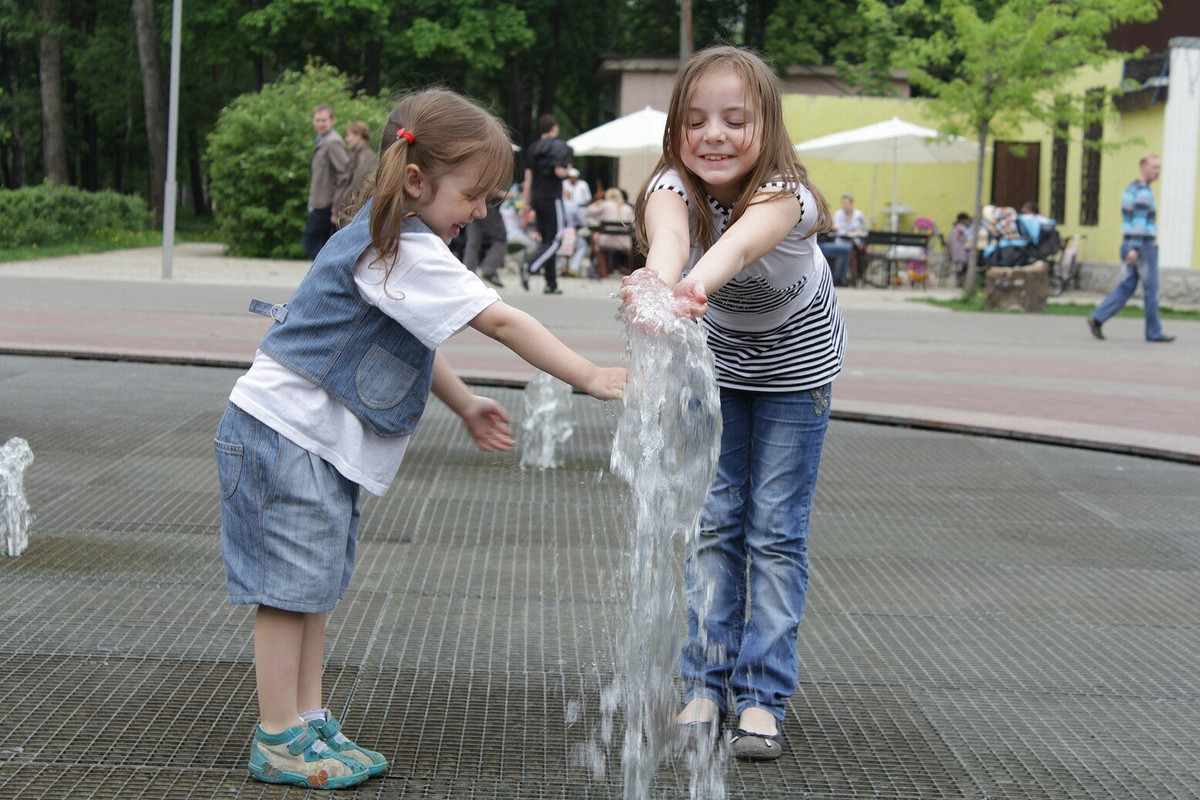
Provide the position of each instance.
(987, 618)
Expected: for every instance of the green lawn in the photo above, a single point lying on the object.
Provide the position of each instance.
(187, 230)
(1068, 309)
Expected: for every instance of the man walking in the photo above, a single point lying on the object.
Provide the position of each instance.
(546, 163)
(1139, 254)
(327, 183)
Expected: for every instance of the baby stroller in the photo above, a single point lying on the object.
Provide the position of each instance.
(1066, 271)
(1018, 240)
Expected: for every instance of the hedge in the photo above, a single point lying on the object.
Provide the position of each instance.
(48, 214)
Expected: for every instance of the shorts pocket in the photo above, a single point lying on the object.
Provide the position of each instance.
(229, 466)
(382, 379)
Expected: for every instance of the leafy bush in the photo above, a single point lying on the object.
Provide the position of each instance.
(48, 214)
(259, 155)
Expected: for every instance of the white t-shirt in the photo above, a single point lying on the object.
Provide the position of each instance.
(847, 225)
(432, 295)
(776, 326)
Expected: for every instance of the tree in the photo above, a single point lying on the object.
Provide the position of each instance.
(259, 156)
(990, 65)
(54, 147)
(153, 100)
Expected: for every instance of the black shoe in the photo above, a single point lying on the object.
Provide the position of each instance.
(494, 281)
(750, 746)
(548, 290)
(524, 278)
(1162, 339)
(1094, 327)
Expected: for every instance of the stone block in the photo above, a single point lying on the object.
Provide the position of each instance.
(1017, 288)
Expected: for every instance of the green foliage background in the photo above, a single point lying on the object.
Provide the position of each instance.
(259, 154)
(43, 214)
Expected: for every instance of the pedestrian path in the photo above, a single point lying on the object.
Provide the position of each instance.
(1039, 377)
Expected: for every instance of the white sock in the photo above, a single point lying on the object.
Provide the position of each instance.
(314, 714)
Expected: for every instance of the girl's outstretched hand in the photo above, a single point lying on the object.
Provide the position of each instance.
(607, 383)
(649, 305)
(690, 298)
(487, 422)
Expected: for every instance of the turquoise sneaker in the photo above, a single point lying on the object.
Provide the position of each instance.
(297, 756)
(329, 729)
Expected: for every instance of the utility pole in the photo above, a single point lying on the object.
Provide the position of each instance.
(685, 31)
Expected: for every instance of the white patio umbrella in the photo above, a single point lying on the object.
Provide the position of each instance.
(639, 133)
(894, 140)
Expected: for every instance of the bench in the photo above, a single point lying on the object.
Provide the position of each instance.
(887, 249)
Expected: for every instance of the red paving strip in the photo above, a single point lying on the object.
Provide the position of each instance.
(1102, 367)
(1182, 419)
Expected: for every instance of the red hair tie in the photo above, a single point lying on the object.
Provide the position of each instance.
(405, 134)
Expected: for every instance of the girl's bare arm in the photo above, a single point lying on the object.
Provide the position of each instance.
(528, 338)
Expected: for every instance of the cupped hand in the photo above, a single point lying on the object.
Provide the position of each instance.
(607, 383)
(690, 298)
(488, 423)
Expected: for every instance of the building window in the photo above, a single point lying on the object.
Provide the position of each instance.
(1058, 172)
(1093, 130)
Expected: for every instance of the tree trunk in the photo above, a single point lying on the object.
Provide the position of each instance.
(15, 177)
(549, 64)
(196, 172)
(971, 281)
(54, 142)
(153, 101)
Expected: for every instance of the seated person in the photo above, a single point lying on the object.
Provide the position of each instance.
(849, 235)
(611, 250)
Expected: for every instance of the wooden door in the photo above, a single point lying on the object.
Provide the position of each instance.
(1015, 177)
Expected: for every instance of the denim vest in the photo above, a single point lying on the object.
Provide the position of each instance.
(362, 357)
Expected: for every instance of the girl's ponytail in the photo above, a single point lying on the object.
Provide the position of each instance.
(387, 212)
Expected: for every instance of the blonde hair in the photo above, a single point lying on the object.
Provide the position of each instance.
(777, 157)
(448, 131)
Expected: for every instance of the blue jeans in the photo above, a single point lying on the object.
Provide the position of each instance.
(753, 550)
(1147, 269)
(838, 256)
(318, 227)
(289, 519)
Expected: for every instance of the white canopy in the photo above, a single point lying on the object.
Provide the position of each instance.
(639, 133)
(894, 141)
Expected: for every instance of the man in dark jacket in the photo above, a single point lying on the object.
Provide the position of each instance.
(546, 163)
(327, 183)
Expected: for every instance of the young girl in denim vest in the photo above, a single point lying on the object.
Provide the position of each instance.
(728, 219)
(336, 387)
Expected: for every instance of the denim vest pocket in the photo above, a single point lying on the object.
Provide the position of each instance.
(382, 379)
(229, 466)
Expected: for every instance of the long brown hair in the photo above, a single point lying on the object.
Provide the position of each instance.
(448, 130)
(777, 155)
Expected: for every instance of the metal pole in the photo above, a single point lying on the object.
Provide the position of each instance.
(685, 31)
(168, 235)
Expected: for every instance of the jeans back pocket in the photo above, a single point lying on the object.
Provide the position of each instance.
(229, 466)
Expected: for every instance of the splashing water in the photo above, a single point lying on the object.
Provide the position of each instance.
(547, 421)
(15, 518)
(666, 448)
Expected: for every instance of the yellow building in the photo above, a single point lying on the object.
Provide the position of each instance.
(1079, 186)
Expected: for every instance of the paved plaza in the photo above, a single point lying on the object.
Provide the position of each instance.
(1005, 599)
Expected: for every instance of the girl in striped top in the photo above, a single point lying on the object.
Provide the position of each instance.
(728, 219)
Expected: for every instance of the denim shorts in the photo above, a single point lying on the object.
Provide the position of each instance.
(289, 520)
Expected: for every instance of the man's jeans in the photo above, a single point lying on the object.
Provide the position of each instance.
(1147, 269)
(838, 256)
(753, 550)
(318, 227)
